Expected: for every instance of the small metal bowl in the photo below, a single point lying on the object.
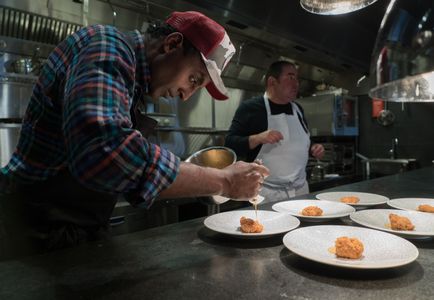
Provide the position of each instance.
(215, 157)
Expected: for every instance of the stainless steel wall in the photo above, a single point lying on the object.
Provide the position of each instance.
(200, 121)
(99, 12)
(9, 134)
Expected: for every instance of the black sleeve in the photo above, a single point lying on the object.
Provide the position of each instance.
(250, 118)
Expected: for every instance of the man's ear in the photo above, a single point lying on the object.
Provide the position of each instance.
(271, 81)
(173, 41)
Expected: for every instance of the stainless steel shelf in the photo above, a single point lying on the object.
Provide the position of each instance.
(194, 130)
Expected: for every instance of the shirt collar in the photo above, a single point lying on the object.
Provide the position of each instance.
(276, 109)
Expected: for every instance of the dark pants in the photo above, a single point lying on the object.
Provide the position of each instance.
(53, 214)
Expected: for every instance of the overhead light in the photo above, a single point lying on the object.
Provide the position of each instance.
(334, 7)
(402, 65)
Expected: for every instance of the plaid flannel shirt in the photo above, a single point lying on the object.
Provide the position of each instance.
(79, 119)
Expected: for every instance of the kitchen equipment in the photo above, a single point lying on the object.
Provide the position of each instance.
(25, 65)
(23, 25)
(9, 135)
(332, 113)
(215, 157)
(15, 92)
(385, 117)
(402, 63)
(318, 171)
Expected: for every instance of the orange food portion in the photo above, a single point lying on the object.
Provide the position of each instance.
(426, 208)
(350, 199)
(348, 247)
(312, 211)
(250, 226)
(400, 223)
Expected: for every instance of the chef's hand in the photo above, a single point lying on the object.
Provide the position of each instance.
(243, 180)
(317, 151)
(265, 137)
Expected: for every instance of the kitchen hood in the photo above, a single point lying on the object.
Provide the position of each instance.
(402, 65)
(334, 50)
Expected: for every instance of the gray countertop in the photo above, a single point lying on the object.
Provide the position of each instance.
(188, 261)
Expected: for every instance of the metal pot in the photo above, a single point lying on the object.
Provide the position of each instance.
(22, 66)
(25, 65)
(215, 157)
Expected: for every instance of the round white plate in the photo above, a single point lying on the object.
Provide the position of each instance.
(379, 219)
(409, 203)
(229, 222)
(366, 199)
(381, 250)
(331, 210)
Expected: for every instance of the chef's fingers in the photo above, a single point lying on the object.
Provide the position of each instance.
(261, 169)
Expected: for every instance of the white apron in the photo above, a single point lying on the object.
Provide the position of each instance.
(286, 159)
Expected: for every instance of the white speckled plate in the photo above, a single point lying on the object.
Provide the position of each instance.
(379, 219)
(274, 222)
(409, 203)
(381, 250)
(331, 210)
(366, 199)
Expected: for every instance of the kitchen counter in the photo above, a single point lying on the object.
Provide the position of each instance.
(329, 182)
(188, 261)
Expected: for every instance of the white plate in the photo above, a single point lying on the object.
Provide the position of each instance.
(381, 250)
(229, 222)
(409, 203)
(331, 210)
(366, 199)
(379, 219)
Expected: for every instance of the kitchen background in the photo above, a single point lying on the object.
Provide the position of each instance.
(333, 54)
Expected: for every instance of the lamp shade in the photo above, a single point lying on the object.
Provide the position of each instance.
(402, 64)
(334, 7)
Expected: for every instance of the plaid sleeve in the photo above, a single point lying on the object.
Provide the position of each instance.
(104, 152)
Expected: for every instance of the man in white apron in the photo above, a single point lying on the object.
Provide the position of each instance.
(272, 129)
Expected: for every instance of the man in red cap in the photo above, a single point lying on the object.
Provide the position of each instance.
(82, 141)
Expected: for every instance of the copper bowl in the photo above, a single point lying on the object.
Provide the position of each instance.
(215, 157)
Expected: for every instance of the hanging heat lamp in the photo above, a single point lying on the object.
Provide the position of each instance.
(334, 7)
(402, 64)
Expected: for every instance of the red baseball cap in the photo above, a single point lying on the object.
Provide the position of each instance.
(213, 43)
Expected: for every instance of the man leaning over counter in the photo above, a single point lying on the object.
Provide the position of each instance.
(80, 145)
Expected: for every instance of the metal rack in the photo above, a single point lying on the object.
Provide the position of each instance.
(23, 25)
